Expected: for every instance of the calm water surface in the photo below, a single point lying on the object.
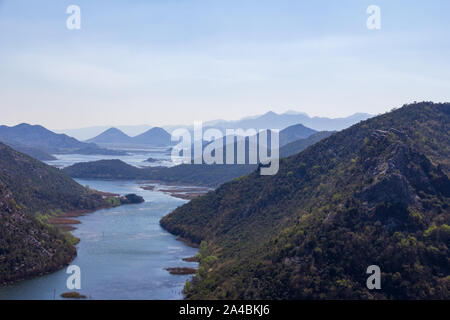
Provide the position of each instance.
(137, 159)
(123, 252)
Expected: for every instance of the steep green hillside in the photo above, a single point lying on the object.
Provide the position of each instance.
(27, 247)
(38, 187)
(27, 188)
(377, 193)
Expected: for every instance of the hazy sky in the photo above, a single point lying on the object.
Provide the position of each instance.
(165, 62)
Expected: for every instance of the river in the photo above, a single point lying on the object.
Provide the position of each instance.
(122, 254)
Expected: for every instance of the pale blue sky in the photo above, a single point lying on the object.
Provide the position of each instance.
(164, 62)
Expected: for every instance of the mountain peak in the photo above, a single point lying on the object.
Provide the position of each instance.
(270, 114)
(114, 130)
(111, 135)
(156, 136)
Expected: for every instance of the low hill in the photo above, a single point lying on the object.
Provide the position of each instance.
(105, 170)
(377, 193)
(199, 175)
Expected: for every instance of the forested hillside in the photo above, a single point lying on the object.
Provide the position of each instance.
(38, 187)
(30, 189)
(377, 193)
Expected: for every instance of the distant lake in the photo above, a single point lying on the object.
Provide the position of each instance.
(123, 252)
(134, 158)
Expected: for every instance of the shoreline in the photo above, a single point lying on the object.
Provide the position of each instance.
(66, 223)
(178, 191)
(63, 228)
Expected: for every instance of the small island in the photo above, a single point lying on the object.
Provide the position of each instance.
(73, 295)
(151, 160)
(148, 188)
(181, 271)
(131, 199)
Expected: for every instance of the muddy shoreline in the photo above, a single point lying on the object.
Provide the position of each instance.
(177, 191)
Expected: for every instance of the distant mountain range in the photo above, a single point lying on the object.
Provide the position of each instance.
(377, 193)
(272, 120)
(87, 133)
(113, 137)
(38, 141)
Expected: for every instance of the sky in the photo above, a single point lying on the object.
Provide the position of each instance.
(166, 62)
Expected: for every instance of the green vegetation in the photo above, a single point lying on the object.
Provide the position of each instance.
(27, 247)
(113, 201)
(37, 187)
(71, 238)
(131, 199)
(181, 271)
(200, 175)
(377, 193)
(31, 193)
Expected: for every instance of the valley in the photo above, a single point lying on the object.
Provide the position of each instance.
(385, 178)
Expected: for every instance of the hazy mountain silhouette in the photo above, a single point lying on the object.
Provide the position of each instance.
(112, 135)
(272, 120)
(154, 137)
(38, 137)
(294, 132)
(87, 133)
(157, 137)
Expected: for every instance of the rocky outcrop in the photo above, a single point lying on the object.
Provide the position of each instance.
(399, 174)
